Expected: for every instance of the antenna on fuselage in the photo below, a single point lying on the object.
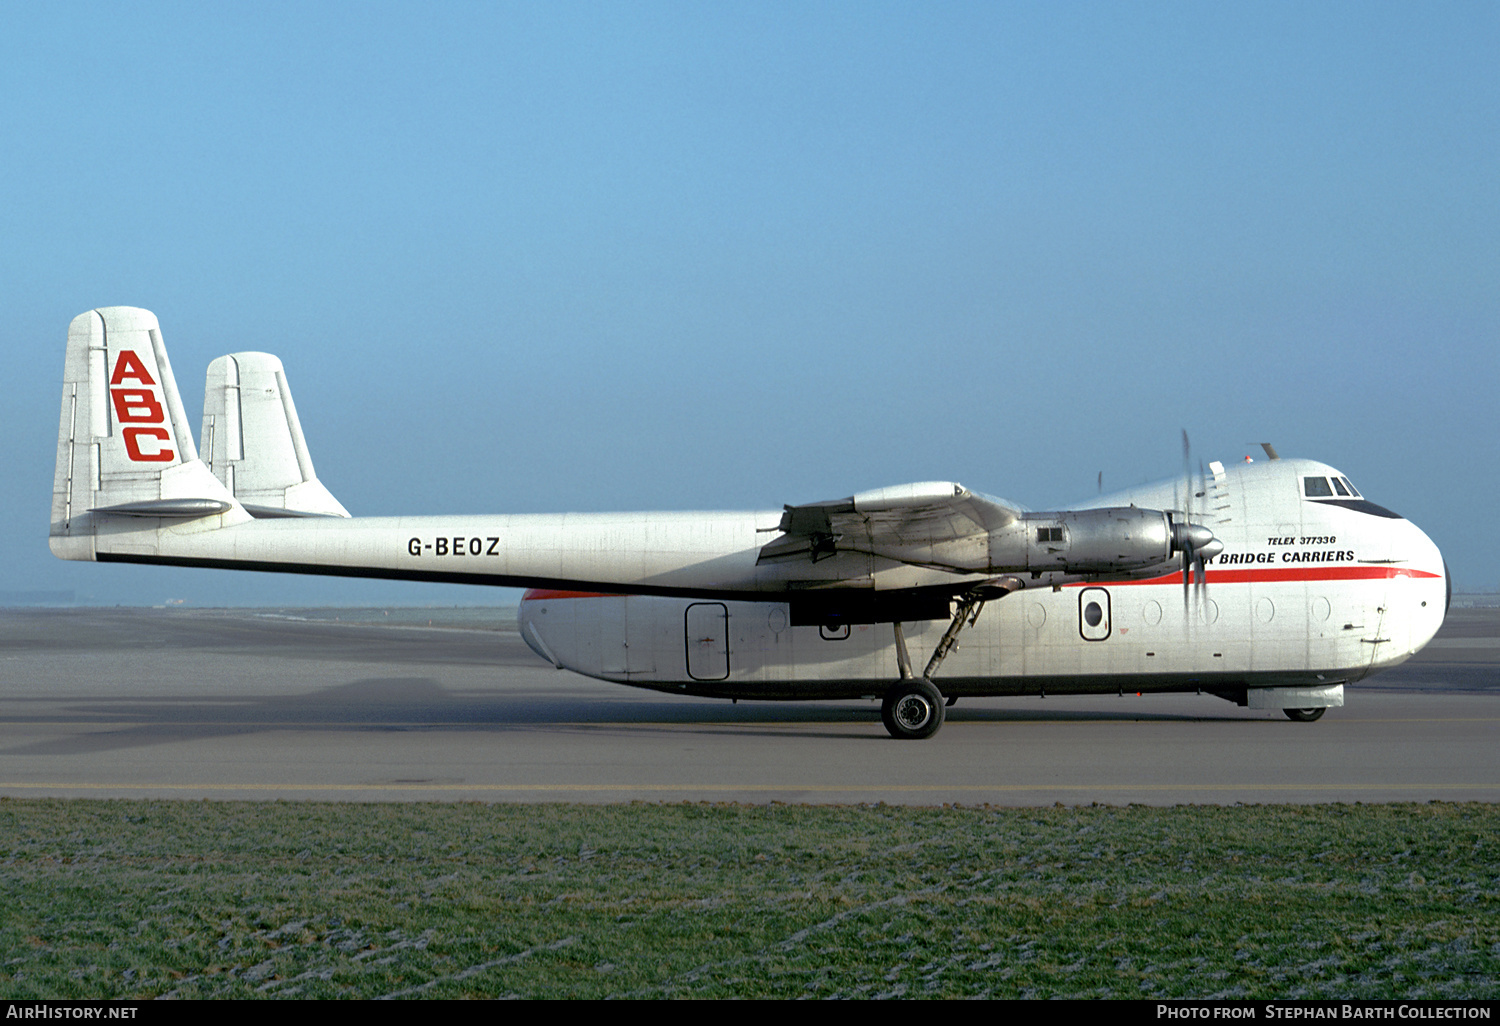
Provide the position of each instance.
(1270, 451)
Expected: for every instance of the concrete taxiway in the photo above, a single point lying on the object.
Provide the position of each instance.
(383, 705)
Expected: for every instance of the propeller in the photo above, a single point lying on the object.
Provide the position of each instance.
(1196, 542)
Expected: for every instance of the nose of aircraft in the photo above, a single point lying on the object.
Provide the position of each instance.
(1432, 592)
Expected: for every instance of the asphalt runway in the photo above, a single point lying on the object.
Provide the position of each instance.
(378, 705)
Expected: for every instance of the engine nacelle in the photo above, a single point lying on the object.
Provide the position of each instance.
(1086, 541)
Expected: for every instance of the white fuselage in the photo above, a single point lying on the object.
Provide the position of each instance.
(1306, 592)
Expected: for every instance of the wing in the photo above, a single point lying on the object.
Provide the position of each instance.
(936, 524)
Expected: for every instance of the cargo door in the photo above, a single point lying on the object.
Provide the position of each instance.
(624, 625)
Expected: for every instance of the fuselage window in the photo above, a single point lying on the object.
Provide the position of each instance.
(1316, 487)
(1049, 534)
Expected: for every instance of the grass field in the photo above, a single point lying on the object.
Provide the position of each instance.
(143, 899)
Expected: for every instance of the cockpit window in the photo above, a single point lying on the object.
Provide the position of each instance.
(1316, 487)
(1338, 486)
(1352, 490)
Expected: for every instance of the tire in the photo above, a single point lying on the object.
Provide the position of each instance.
(1304, 715)
(912, 710)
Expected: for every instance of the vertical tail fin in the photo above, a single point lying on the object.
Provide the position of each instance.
(124, 451)
(252, 440)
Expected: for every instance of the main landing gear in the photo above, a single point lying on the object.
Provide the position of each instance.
(1304, 715)
(913, 708)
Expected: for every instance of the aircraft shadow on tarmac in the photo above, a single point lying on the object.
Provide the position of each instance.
(421, 703)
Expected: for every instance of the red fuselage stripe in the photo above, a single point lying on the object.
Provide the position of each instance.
(1268, 574)
(537, 594)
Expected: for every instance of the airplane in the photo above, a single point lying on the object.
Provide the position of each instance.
(1270, 584)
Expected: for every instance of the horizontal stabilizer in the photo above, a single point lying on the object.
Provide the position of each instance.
(186, 508)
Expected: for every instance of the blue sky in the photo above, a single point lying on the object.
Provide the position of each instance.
(545, 256)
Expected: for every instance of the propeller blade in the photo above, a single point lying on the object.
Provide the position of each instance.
(1185, 531)
(1199, 551)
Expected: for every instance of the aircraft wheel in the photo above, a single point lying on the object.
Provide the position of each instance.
(912, 710)
(1304, 715)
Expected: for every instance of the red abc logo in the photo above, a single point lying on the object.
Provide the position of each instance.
(136, 404)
